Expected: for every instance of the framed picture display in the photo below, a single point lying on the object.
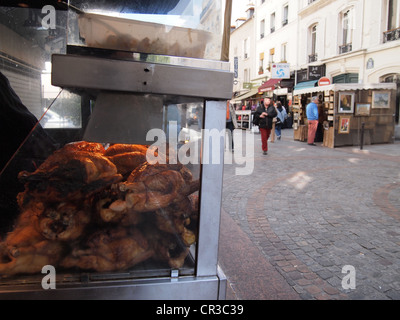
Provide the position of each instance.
(346, 102)
(380, 99)
(363, 109)
(344, 125)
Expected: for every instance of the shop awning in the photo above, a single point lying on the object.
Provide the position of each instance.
(306, 85)
(245, 96)
(268, 85)
(346, 87)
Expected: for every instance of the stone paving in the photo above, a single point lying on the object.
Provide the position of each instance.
(310, 211)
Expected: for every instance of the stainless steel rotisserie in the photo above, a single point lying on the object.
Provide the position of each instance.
(128, 206)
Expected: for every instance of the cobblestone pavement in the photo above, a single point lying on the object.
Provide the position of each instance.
(310, 211)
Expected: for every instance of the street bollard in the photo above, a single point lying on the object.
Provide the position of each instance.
(362, 136)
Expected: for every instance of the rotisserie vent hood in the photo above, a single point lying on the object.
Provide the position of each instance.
(130, 95)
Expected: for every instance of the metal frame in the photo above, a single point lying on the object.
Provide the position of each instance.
(209, 282)
(211, 195)
(179, 288)
(82, 72)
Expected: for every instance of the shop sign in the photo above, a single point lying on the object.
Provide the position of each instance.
(316, 72)
(324, 81)
(236, 67)
(280, 71)
(302, 75)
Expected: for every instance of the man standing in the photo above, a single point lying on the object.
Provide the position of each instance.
(264, 118)
(312, 116)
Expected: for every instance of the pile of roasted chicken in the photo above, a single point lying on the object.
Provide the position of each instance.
(92, 209)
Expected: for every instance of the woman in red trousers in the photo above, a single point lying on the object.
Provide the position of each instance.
(264, 117)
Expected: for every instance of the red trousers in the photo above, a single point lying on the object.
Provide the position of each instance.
(265, 133)
(312, 130)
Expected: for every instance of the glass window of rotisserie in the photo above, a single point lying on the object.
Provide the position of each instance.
(65, 113)
(183, 28)
(111, 210)
(29, 36)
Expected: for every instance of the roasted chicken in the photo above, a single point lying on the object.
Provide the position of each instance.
(71, 173)
(25, 250)
(109, 250)
(65, 222)
(152, 187)
(102, 210)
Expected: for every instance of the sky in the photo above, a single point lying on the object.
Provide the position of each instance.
(238, 9)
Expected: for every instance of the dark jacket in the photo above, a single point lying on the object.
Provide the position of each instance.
(265, 123)
(20, 131)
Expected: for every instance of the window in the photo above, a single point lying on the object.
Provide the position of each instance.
(347, 27)
(393, 16)
(393, 21)
(271, 55)
(246, 48)
(347, 32)
(283, 52)
(285, 19)
(346, 78)
(261, 65)
(262, 29)
(246, 75)
(313, 56)
(272, 22)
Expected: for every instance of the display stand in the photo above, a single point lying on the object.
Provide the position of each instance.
(347, 112)
(243, 118)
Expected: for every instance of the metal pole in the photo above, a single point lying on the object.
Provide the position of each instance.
(362, 136)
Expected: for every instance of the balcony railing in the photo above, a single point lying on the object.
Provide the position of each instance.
(391, 35)
(313, 57)
(346, 48)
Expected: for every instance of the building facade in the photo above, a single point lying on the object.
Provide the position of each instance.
(242, 53)
(348, 41)
(356, 41)
(276, 27)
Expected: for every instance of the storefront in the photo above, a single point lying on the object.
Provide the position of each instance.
(246, 100)
(279, 90)
(349, 114)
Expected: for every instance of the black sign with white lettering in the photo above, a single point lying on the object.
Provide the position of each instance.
(316, 72)
(302, 75)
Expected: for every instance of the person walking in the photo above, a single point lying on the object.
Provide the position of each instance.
(264, 119)
(230, 125)
(312, 116)
(282, 116)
